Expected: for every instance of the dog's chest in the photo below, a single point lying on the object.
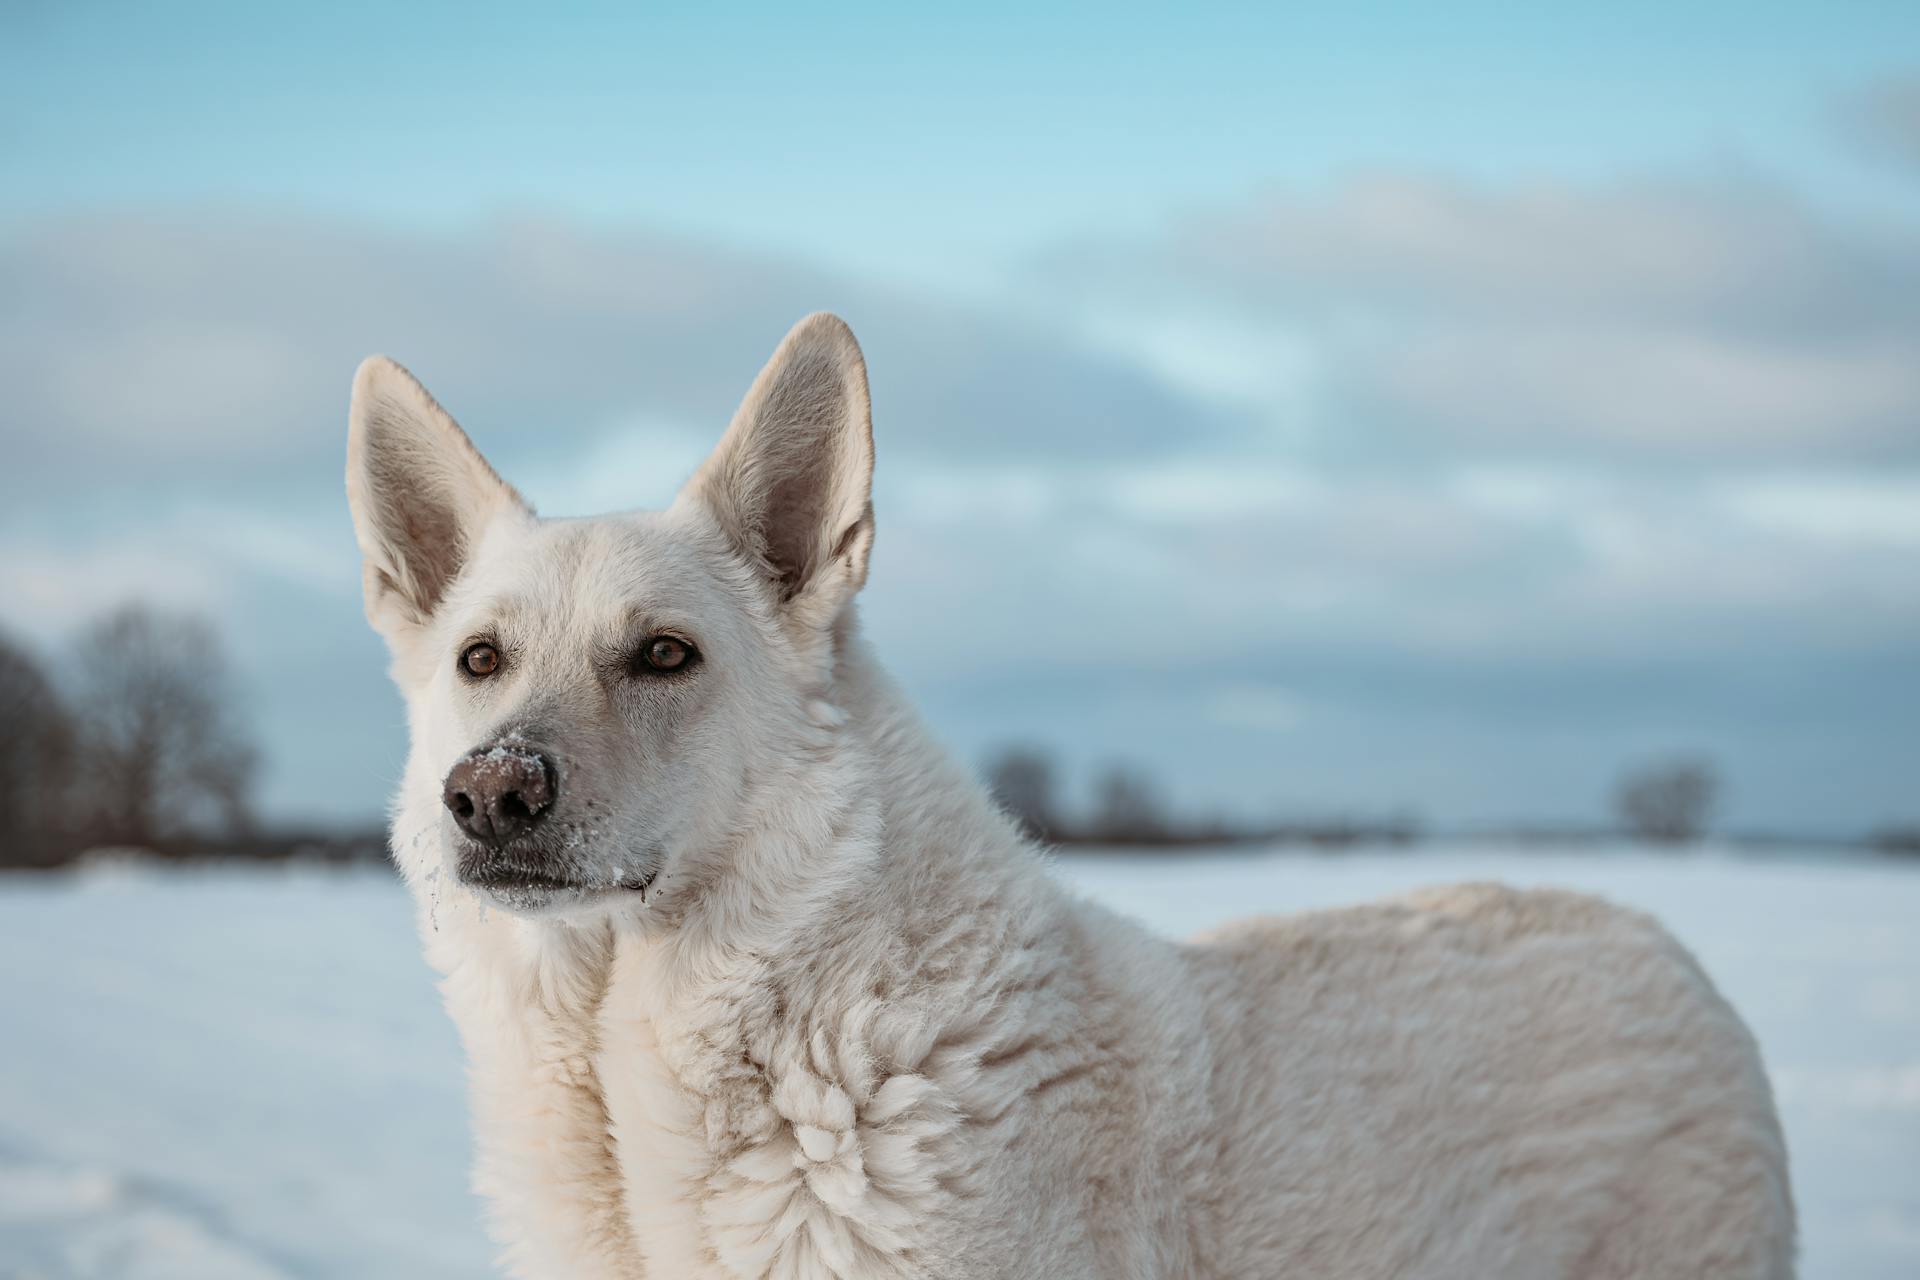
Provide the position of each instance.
(748, 1146)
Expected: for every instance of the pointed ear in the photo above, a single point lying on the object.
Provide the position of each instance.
(791, 481)
(420, 493)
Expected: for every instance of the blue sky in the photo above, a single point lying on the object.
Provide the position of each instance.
(876, 135)
(1485, 398)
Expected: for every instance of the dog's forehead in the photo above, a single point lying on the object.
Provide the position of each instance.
(589, 573)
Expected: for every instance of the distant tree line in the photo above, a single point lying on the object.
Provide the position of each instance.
(1128, 810)
(1668, 803)
(132, 739)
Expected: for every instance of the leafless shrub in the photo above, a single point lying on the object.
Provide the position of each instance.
(160, 752)
(1668, 802)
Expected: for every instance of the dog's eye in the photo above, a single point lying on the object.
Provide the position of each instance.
(480, 660)
(664, 653)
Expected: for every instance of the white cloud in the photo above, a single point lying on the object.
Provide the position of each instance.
(1683, 393)
(1845, 511)
(1243, 360)
(175, 350)
(1210, 488)
(51, 589)
(1720, 320)
(1568, 564)
(198, 391)
(197, 557)
(641, 463)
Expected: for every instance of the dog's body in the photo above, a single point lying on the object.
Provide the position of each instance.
(776, 992)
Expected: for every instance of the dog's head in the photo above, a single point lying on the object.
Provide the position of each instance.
(590, 699)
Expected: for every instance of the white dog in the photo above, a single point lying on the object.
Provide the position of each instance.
(756, 982)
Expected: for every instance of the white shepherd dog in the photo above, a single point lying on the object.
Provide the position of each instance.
(755, 981)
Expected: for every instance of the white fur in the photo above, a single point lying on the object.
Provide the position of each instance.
(853, 1029)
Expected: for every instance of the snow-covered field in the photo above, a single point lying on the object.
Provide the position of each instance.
(237, 1073)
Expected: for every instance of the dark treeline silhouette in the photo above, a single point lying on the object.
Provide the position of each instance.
(1663, 803)
(1129, 811)
(133, 741)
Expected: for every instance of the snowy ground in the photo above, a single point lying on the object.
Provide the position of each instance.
(245, 1073)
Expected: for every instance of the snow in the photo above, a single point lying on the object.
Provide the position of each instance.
(244, 1073)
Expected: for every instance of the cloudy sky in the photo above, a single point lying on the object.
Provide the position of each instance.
(1426, 408)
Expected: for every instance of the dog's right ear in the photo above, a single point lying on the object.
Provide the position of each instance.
(421, 495)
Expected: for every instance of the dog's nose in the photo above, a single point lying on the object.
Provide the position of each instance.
(497, 794)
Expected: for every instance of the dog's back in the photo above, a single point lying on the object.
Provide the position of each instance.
(1476, 1081)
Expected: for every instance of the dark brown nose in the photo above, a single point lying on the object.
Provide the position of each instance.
(498, 794)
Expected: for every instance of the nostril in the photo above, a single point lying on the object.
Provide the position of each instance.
(461, 804)
(514, 805)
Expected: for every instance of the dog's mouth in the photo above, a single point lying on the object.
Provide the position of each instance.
(501, 877)
(522, 883)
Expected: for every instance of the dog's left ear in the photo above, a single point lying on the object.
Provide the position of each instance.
(791, 481)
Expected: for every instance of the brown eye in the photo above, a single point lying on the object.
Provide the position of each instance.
(664, 653)
(480, 660)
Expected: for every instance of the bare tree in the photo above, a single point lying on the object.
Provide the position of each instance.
(36, 763)
(161, 753)
(1125, 808)
(1668, 802)
(1022, 782)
